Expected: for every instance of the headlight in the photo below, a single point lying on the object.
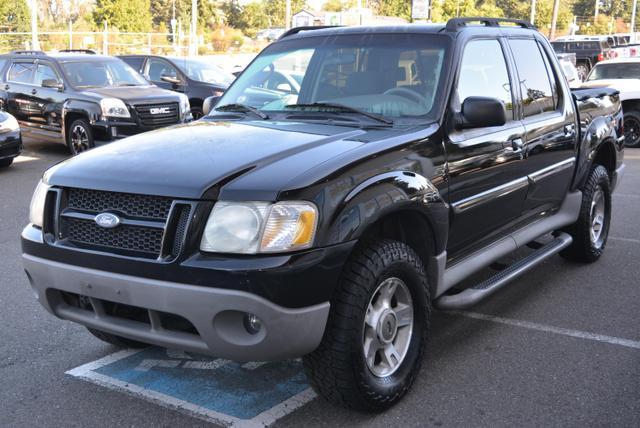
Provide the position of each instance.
(185, 107)
(113, 107)
(9, 124)
(36, 209)
(259, 227)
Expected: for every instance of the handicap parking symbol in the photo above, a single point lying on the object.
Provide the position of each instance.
(220, 391)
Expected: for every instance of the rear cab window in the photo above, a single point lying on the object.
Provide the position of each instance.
(538, 84)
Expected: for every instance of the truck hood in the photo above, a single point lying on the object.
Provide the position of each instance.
(187, 161)
(628, 88)
(136, 94)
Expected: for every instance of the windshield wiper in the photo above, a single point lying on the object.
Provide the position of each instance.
(242, 108)
(127, 84)
(339, 108)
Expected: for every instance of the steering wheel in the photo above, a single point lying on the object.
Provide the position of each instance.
(407, 93)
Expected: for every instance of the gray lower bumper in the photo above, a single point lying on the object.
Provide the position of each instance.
(216, 314)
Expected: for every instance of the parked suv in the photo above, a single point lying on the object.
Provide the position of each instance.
(198, 78)
(326, 224)
(588, 50)
(77, 97)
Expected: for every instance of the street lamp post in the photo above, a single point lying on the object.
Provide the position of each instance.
(633, 21)
(533, 12)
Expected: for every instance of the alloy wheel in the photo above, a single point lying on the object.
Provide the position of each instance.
(596, 231)
(79, 139)
(388, 327)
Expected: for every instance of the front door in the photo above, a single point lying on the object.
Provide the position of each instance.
(47, 114)
(486, 186)
(157, 68)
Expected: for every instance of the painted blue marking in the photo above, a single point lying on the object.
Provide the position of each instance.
(228, 388)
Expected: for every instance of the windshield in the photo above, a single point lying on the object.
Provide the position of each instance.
(622, 70)
(203, 71)
(398, 76)
(98, 73)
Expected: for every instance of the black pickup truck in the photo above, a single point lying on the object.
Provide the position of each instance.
(77, 97)
(327, 223)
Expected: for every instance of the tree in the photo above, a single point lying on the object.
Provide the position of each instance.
(14, 17)
(399, 8)
(600, 25)
(125, 15)
(275, 10)
(338, 5)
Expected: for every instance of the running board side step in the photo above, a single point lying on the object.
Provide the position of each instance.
(484, 289)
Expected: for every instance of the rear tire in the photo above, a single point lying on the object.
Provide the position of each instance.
(632, 128)
(591, 231)
(375, 337)
(80, 137)
(583, 70)
(112, 339)
(6, 162)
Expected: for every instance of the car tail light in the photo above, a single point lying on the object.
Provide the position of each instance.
(600, 56)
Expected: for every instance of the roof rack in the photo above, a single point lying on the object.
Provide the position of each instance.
(297, 30)
(27, 53)
(84, 51)
(454, 24)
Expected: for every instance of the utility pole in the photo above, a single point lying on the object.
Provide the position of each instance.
(633, 21)
(554, 20)
(287, 15)
(595, 15)
(193, 42)
(35, 45)
(533, 12)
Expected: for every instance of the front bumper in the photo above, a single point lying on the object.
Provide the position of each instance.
(215, 313)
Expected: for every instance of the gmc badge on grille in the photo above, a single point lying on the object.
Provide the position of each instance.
(159, 110)
(107, 220)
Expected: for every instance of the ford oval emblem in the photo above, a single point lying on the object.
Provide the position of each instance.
(107, 220)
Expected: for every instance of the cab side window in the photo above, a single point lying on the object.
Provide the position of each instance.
(45, 72)
(483, 73)
(537, 90)
(21, 72)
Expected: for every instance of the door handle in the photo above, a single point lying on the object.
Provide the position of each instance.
(6, 86)
(34, 91)
(517, 145)
(569, 130)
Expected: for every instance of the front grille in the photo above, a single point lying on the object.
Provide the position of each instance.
(150, 226)
(158, 115)
(140, 206)
(124, 237)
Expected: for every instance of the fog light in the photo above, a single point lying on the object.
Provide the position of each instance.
(252, 323)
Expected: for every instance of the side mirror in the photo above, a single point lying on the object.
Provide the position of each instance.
(209, 104)
(481, 112)
(170, 79)
(53, 84)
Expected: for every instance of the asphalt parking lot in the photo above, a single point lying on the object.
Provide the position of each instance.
(560, 347)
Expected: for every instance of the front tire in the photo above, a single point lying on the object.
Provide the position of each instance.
(80, 137)
(632, 128)
(375, 337)
(591, 230)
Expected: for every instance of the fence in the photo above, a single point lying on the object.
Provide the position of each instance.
(111, 42)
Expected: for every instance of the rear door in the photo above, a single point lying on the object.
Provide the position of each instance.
(549, 119)
(19, 87)
(487, 188)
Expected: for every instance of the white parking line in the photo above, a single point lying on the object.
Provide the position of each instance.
(627, 343)
(615, 238)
